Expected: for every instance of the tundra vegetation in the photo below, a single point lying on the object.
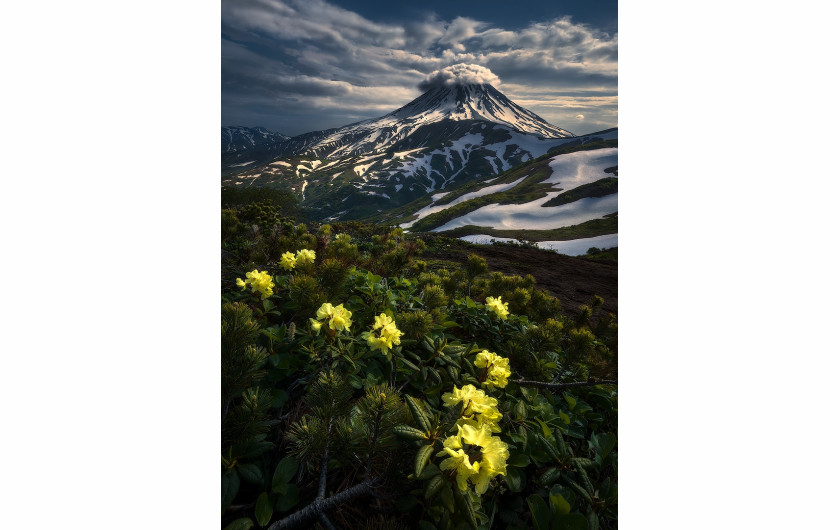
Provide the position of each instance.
(363, 387)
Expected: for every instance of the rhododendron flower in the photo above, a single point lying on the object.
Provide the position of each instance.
(388, 336)
(478, 408)
(260, 282)
(337, 317)
(497, 369)
(465, 449)
(287, 261)
(497, 306)
(305, 256)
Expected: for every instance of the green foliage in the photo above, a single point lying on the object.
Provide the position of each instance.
(292, 394)
(415, 324)
(230, 224)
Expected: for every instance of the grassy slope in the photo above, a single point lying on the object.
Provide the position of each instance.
(530, 189)
(595, 227)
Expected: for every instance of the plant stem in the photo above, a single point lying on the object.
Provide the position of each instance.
(561, 386)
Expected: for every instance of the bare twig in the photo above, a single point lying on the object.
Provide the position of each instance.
(561, 386)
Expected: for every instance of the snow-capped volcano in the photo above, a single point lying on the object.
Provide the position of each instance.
(433, 116)
(460, 131)
(473, 102)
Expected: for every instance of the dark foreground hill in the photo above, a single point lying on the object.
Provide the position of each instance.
(573, 281)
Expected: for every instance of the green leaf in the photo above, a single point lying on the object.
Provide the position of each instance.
(426, 525)
(559, 505)
(250, 472)
(409, 364)
(256, 449)
(520, 410)
(519, 460)
(564, 417)
(546, 431)
(418, 413)
(571, 401)
(264, 509)
(529, 393)
(287, 499)
(285, 471)
(428, 472)
(604, 444)
(230, 487)
(447, 498)
(453, 373)
(572, 521)
(243, 523)
(434, 486)
(539, 512)
(515, 479)
(409, 433)
(550, 476)
(422, 457)
(593, 520)
(550, 449)
(465, 506)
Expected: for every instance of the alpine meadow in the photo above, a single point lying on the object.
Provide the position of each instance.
(419, 294)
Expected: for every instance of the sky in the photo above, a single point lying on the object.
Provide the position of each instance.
(295, 66)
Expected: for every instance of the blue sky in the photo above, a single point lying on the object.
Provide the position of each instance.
(296, 66)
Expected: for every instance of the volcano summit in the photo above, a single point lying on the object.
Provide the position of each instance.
(459, 130)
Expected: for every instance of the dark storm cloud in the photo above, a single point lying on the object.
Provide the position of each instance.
(309, 64)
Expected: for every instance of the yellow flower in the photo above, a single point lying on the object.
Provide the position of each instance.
(382, 321)
(464, 450)
(458, 460)
(287, 261)
(337, 317)
(388, 337)
(316, 326)
(325, 311)
(260, 282)
(496, 367)
(497, 306)
(478, 408)
(340, 318)
(305, 256)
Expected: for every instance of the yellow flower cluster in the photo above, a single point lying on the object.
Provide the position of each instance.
(497, 306)
(496, 369)
(337, 318)
(289, 260)
(464, 450)
(260, 282)
(388, 336)
(478, 408)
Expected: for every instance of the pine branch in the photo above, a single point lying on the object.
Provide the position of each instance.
(306, 516)
(325, 522)
(561, 386)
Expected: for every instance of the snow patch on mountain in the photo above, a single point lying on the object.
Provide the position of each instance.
(576, 169)
(573, 247)
(531, 216)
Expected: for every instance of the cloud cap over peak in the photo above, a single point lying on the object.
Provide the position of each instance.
(459, 74)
